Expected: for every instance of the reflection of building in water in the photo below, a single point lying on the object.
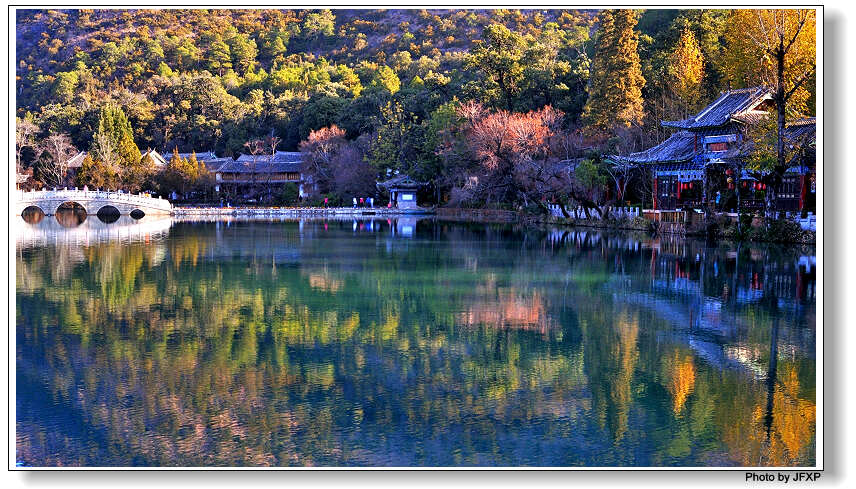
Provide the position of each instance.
(405, 226)
(49, 231)
(751, 277)
(509, 308)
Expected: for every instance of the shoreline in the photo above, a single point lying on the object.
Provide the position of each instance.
(639, 224)
(297, 211)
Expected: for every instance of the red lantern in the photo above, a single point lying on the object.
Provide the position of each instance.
(691, 184)
(744, 184)
(764, 186)
(728, 172)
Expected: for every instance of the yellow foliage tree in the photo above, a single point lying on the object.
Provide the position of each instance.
(775, 48)
(687, 69)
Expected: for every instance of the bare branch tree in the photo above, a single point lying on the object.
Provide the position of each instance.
(256, 147)
(25, 131)
(271, 142)
(58, 149)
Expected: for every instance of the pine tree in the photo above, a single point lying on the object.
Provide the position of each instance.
(114, 124)
(615, 86)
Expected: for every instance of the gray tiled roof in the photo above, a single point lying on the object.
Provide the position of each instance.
(802, 129)
(260, 166)
(200, 156)
(730, 105)
(214, 164)
(679, 147)
(77, 160)
(279, 156)
(400, 181)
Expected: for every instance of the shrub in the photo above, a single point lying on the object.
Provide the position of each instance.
(779, 231)
(289, 195)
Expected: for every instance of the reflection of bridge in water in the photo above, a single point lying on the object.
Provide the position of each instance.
(91, 231)
(92, 201)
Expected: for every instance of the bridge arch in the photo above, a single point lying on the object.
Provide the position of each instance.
(108, 214)
(32, 214)
(70, 219)
(137, 214)
(65, 204)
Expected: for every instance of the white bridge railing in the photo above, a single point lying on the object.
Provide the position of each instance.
(75, 194)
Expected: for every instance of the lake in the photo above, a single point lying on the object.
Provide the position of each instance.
(407, 342)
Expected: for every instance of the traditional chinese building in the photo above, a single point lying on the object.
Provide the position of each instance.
(74, 163)
(157, 160)
(709, 138)
(402, 191)
(797, 192)
(248, 173)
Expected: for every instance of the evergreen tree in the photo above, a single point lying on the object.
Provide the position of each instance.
(114, 124)
(615, 86)
(499, 57)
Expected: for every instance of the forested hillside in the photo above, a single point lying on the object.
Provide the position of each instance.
(392, 80)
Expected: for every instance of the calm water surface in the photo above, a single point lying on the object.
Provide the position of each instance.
(407, 343)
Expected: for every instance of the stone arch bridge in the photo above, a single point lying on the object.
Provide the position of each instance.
(91, 200)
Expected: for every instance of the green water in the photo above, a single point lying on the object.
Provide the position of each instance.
(407, 343)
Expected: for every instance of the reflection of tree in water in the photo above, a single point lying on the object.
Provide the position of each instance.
(192, 361)
(682, 375)
(611, 353)
(508, 308)
(70, 215)
(32, 215)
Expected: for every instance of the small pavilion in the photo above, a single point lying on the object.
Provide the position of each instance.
(402, 191)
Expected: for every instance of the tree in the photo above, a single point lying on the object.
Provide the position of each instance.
(589, 184)
(25, 130)
(244, 52)
(353, 175)
(514, 152)
(319, 150)
(321, 23)
(96, 174)
(256, 147)
(271, 142)
(776, 48)
(386, 79)
(114, 125)
(113, 144)
(184, 175)
(687, 69)
(498, 55)
(615, 84)
(389, 148)
(104, 150)
(56, 151)
(219, 57)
